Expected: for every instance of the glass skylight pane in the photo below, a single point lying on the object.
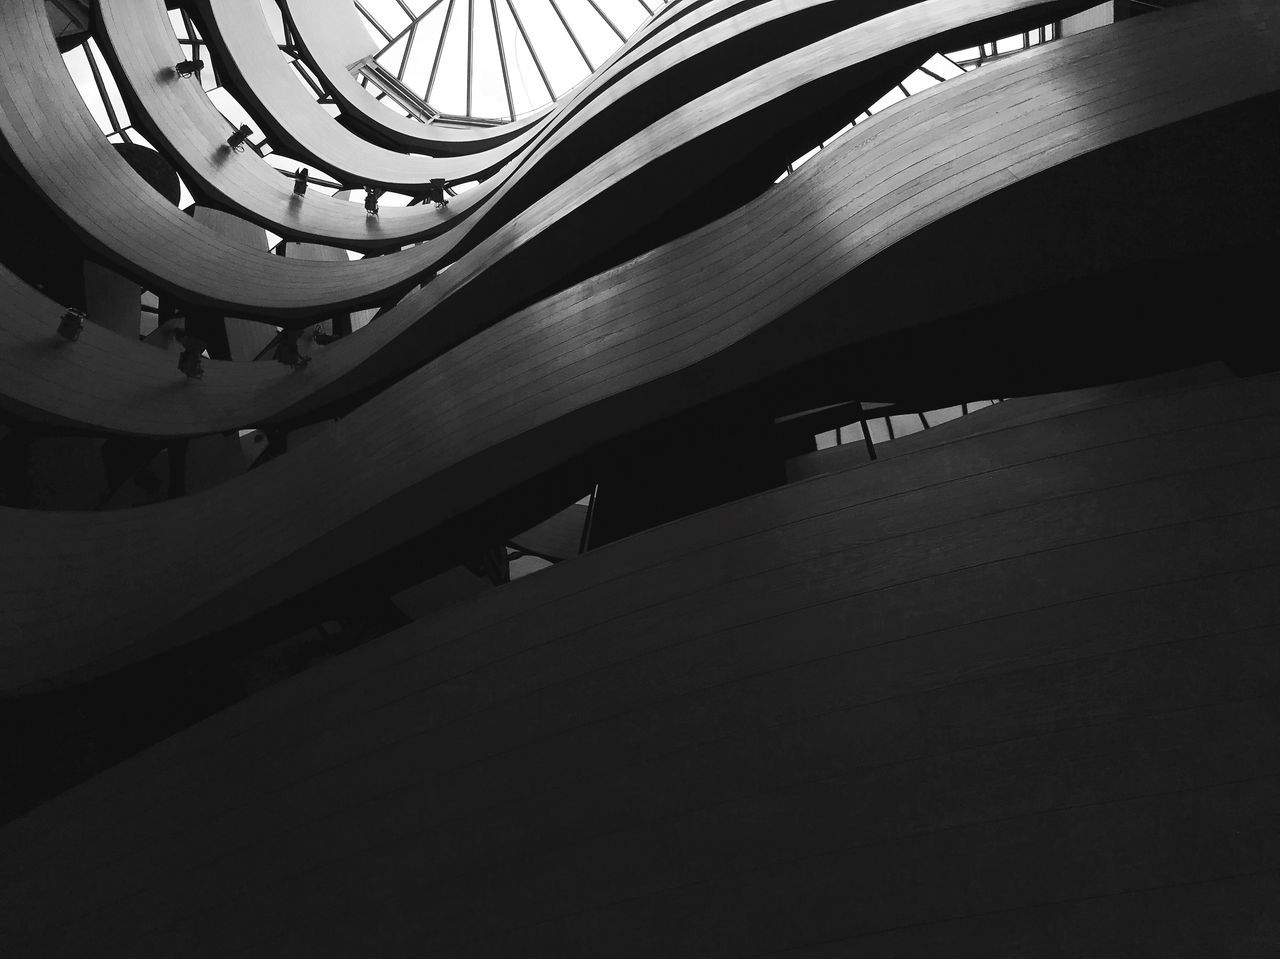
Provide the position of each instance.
(560, 58)
(109, 82)
(233, 111)
(527, 87)
(918, 82)
(905, 425)
(488, 92)
(627, 14)
(547, 46)
(450, 92)
(934, 417)
(593, 33)
(852, 433)
(283, 163)
(422, 53)
(888, 100)
(879, 431)
(393, 56)
(389, 14)
(943, 67)
(78, 66)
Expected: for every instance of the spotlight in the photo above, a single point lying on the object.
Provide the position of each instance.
(288, 354)
(187, 68)
(300, 181)
(371, 201)
(70, 324)
(190, 364)
(436, 192)
(189, 361)
(238, 139)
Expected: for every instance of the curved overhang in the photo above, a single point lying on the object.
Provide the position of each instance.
(469, 296)
(642, 342)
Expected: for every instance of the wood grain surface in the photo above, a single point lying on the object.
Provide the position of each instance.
(635, 345)
(481, 289)
(1012, 689)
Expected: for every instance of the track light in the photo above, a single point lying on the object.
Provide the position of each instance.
(371, 201)
(189, 361)
(300, 181)
(187, 68)
(288, 354)
(436, 192)
(70, 324)
(238, 139)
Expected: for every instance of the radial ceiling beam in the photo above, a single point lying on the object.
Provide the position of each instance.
(502, 58)
(572, 36)
(435, 63)
(537, 61)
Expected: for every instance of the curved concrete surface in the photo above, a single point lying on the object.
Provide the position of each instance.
(1009, 693)
(104, 381)
(51, 136)
(637, 344)
(471, 296)
(139, 39)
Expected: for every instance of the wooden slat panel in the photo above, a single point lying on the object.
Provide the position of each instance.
(178, 114)
(633, 346)
(464, 300)
(1040, 671)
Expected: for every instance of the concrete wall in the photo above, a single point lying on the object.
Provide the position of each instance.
(1010, 692)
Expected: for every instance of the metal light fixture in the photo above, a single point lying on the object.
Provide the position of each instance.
(70, 325)
(189, 360)
(436, 192)
(238, 139)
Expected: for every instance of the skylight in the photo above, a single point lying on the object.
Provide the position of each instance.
(496, 59)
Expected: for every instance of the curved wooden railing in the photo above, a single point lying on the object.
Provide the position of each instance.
(699, 317)
(1043, 652)
(558, 231)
